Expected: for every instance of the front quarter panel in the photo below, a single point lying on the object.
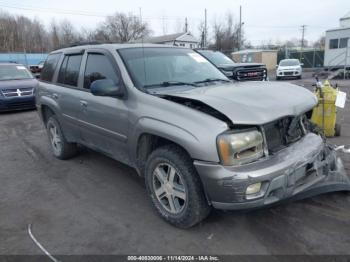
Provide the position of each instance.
(195, 131)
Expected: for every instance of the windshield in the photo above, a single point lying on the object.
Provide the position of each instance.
(160, 66)
(14, 72)
(292, 62)
(216, 57)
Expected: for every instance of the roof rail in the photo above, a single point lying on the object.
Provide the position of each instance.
(85, 43)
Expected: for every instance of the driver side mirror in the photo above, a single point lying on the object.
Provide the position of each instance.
(301, 64)
(106, 87)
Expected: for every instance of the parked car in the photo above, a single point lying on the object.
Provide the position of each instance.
(17, 86)
(36, 69)
(233, 70)
(288, 68)
(198, 139)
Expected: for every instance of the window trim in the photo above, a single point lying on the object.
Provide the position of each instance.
(53, 78)
(61, 64)
(112, 60)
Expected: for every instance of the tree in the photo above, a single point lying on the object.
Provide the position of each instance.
(124, 27)
(320, 43)
(226, 34)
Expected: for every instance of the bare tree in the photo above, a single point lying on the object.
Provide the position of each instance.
(22, 34)
(320, 43)
(226, 34)
(125, 27)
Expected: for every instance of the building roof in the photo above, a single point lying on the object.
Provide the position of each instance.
(183, 36)
(346, 16)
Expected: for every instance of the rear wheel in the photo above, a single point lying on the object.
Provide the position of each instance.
(175, 188)
(59, 145)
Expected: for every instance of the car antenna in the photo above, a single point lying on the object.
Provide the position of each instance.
(143, 53)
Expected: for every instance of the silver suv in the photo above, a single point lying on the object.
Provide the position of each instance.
(198, 139)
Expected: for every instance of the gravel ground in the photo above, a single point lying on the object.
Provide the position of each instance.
(94, 205)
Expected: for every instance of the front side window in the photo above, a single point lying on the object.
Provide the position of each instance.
(333, 43)
(69, 71)
(14, 72)
(49, 67)
(99, 67)
(343, 43)
(153, 66)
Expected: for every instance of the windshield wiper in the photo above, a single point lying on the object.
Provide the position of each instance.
(171, 83)
(208, 80)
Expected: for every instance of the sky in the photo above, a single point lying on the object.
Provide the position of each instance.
(264, 20)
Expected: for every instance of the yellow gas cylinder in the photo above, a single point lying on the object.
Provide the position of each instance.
(325, 113)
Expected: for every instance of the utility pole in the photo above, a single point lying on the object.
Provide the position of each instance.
(205, 28)
(303, 28)
(186, 25)
(240, 28)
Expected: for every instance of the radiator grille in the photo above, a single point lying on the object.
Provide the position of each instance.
(16, 92)
(280, 133)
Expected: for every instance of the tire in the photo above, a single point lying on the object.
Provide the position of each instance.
(299, 77)
(174, 167)
(277, 78)
(59, 145)
(337, 129)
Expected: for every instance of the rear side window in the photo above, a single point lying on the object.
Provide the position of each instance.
(98, 67)
(69, 71)
(49, 67)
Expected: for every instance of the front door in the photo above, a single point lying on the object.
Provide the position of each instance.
(103, 120)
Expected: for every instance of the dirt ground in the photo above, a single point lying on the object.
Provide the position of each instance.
(94, 205)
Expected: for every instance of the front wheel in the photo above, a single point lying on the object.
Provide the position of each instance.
(175, 188)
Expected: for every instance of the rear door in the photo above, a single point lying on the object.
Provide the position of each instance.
(103, 120)
(68, 94)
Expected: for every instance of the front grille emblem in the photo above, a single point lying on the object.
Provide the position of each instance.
(19, 93)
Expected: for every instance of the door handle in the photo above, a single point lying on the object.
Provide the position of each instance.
(55, 96)
(83, 103)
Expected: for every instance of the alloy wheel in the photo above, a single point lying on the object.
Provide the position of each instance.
(169, 188)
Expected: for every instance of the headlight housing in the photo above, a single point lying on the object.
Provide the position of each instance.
(237, 148)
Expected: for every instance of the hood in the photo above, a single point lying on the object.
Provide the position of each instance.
(251, 103)
(288, 67)
(237, 65)
(9, 84)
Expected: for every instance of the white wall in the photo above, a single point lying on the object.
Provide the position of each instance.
(336, 57)
(184, 44)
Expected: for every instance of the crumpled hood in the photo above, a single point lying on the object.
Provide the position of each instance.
(252, 103)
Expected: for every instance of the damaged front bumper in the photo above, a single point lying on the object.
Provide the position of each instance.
(305, 168)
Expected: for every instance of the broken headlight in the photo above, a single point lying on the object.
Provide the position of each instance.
(240, 148)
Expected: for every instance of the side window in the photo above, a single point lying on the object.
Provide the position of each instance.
(49, 67)
(98, 67)
(333, 43)
(343, 43)
(69, 71)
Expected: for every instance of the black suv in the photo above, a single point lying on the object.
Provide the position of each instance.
(233, 70)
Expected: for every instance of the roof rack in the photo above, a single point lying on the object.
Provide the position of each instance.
(86, 43)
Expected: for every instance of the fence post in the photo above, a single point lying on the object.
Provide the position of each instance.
(313, 58)
(346, 58)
